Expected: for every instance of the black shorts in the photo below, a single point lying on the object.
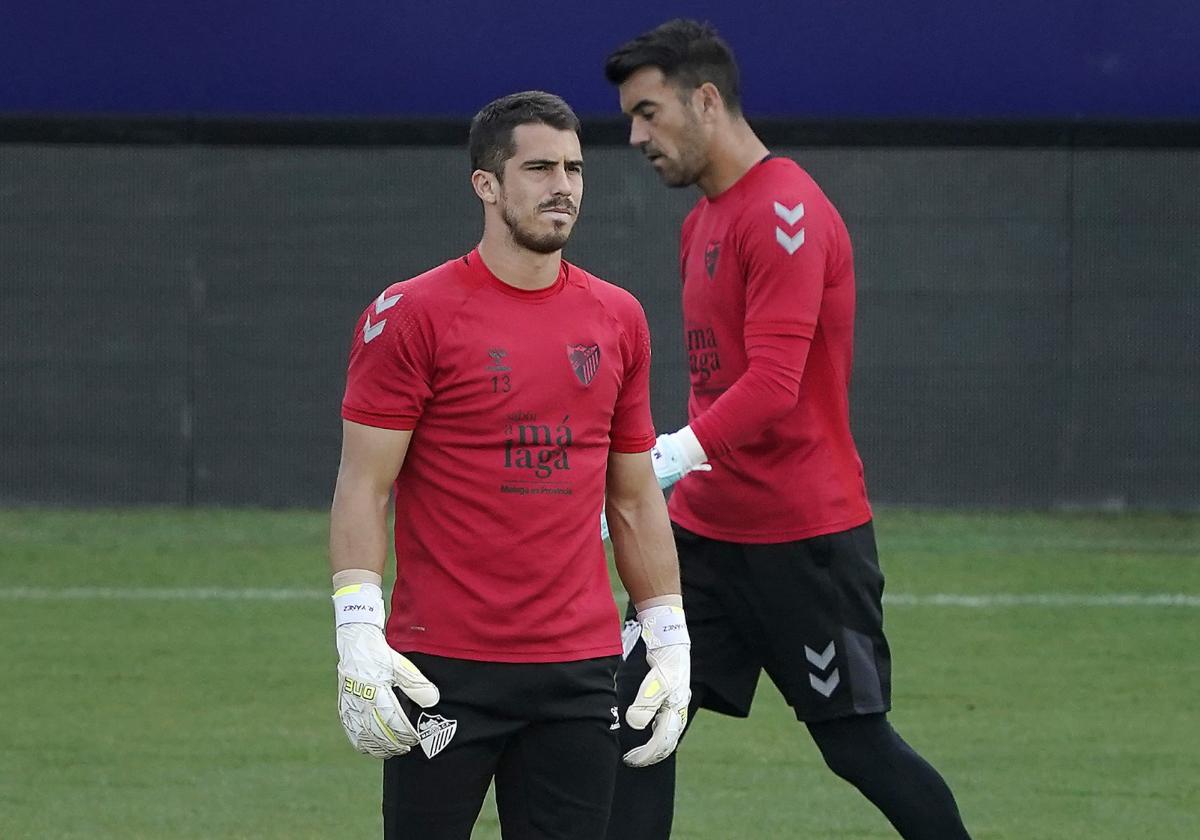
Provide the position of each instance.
(808, 612)
(544, 731)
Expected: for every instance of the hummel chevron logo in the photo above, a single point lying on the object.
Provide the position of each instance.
(372, 331)
(825, 687)
(821, 660)
(384, 303)
(790, 216)
(791, 244)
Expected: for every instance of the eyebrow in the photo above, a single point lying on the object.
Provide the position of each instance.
(549, 162)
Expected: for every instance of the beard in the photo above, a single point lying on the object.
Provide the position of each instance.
(685, 171)
(539, 243)
(686, 168)
(680, 174)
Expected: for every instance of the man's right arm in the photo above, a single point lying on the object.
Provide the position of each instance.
(368, 668)
(358, 533)
(644, 553)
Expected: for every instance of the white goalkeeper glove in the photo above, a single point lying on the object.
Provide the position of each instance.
(367, 670)
(665, 692)
(676, 455)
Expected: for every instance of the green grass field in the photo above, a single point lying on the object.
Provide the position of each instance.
(140, 700)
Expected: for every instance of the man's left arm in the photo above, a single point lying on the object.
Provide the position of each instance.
(644, 552)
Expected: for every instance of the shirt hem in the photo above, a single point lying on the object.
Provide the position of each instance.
(760, 537)
(506, 655)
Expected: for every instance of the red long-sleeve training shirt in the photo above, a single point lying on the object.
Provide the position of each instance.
(768, 304)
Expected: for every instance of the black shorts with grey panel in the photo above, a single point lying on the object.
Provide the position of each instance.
(808, 612)
(545, 732)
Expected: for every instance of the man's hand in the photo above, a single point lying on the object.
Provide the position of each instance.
(367, 670)
(665, 692)
(675, 455)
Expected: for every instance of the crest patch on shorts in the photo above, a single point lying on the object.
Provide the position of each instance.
(434, 732)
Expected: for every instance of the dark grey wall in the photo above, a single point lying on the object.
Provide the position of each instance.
(174, 322)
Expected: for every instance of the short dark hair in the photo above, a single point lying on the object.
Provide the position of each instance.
(491, 139)
(688, 52)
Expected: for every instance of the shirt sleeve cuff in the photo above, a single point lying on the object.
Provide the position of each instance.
(399, 423)
(632, 446)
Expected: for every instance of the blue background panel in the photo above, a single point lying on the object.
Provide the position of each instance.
(860, 58)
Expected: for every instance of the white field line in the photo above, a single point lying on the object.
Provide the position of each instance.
(1044, 599)
(899, 599)
(199, 593)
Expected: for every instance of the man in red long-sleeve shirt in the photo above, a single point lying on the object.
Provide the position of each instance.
(776, 548)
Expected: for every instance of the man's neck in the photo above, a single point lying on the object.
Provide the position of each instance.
(733, 153)
(517, 266)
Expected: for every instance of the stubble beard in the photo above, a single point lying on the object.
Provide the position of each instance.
(686, 171)
(676, 176)
(546, 243)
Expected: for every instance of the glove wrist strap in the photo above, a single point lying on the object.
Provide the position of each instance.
(662, 626)
(358, 603)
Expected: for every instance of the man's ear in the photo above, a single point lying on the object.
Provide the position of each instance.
(707, 101)
(486, 185)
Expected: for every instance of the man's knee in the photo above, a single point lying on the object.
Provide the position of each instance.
(851, 746)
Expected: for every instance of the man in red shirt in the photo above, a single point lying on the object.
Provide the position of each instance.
(776, 549)
(504, 395)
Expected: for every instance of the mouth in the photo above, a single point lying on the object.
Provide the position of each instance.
(566, 212)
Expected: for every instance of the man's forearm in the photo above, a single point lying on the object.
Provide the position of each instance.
(764, 394)
(643, 547)
(358, 532)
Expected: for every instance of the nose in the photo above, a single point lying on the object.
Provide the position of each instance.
(638, 135)
(562, 181)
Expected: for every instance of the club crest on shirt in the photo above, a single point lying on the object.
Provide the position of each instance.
(712, 253)
(585, 360)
